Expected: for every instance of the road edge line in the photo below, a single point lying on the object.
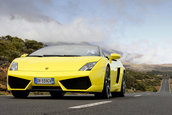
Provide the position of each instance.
(169, 85)
(160, 86)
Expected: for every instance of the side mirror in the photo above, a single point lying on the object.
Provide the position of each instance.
(24, 55)
(114, 57)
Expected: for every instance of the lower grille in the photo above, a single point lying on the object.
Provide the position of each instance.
(77, 83)
(45, 87)
(15, 82)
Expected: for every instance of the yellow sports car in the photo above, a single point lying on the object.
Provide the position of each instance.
(67, 68)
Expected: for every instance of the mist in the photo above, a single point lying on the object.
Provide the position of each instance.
(102, 23)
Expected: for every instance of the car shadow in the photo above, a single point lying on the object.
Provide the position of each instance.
(67, 97)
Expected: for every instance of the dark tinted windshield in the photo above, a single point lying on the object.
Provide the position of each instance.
(68, 50)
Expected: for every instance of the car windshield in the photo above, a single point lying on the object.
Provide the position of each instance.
(67, 50)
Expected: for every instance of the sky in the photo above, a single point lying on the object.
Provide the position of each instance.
(134, 27)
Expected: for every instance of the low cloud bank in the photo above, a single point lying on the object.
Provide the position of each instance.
(25, 19)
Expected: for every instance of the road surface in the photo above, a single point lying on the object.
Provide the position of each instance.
(165, 87)
(159, 103)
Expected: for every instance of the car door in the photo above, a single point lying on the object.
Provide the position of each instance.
(115, 72)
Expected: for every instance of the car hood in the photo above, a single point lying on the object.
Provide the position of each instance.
(54, 63)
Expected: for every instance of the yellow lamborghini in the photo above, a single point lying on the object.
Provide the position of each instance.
(67, 68)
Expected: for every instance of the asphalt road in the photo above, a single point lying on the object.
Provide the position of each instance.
(165, 85)
(159, 103)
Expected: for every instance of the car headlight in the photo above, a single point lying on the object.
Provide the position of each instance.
(14, 66)
(88, 66)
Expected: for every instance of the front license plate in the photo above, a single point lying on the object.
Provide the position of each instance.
(44, 80)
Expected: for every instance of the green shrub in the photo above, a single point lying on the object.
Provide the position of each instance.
(142, 81)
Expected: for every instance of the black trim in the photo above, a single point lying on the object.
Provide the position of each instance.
(77, 83)
(118, 75)
(18, 83)
(45, 88)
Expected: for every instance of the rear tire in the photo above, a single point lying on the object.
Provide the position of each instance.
(122, 92)
(57, 94)
(20, 94)
(105, 94)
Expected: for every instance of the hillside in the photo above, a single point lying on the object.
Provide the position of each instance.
(149, 67)
(137, 76)
(11, 48)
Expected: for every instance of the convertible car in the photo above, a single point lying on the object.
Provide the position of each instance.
(67, 68)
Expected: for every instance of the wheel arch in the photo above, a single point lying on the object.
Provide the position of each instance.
(108, 65)
(122, 74)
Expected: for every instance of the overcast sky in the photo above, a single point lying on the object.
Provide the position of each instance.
(132, 26)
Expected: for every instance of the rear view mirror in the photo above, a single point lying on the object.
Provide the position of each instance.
(114, 57)
(24, 55)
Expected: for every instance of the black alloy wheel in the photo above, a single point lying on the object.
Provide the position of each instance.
(105, 94)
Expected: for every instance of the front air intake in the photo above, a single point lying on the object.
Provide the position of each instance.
(19, 83)
(46, 88)
(77, 83)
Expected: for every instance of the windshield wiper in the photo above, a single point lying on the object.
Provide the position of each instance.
(61, 55)
(54, 55)
(72, 55)
(35, 56)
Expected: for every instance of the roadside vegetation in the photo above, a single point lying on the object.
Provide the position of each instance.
(13, 47)
(142, 81)
(170, 84)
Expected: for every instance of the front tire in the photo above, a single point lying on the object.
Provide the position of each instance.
(20, 94)
(122, 92)
(105, 94)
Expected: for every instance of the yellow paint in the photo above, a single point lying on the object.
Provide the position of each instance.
(114, 56)
(61, 68)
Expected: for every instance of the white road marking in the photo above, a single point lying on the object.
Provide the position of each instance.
(169, 80)
(137, 95)
(89, 105)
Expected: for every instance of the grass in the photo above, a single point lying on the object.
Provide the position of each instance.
(5, 93)
(171, 84)
(157, 88)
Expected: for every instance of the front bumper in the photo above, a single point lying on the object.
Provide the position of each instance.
(80, 81)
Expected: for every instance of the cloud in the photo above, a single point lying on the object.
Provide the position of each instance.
(26, 19)
(130, 11)
(50, 31)
(26, 9)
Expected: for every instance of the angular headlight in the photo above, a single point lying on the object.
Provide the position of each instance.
(14, 66)
(88, 66)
